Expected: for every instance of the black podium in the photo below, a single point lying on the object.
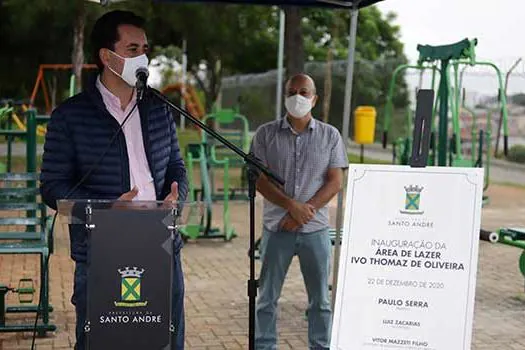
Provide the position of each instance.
(130, 263)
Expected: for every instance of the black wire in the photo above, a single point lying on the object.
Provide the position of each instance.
(80, 182)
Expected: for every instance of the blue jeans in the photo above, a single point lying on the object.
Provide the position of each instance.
(80, 295)
(277, 250)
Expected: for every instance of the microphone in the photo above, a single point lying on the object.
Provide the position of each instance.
(142, 74)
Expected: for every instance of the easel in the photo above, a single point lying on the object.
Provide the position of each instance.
(422, 128)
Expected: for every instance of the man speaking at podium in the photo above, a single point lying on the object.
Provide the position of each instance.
(90, 153)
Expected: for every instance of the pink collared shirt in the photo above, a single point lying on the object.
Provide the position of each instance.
(139, 172)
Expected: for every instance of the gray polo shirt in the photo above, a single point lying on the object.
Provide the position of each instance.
(302, 161)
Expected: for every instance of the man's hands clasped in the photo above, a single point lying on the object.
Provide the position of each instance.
(298, 214)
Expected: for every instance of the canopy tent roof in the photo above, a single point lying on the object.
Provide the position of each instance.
(310, 3)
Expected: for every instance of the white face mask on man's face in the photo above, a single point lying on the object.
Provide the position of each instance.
(131, 64)
(298, 106)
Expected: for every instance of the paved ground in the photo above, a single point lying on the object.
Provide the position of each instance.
(217, 305)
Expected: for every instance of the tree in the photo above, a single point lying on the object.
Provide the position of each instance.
(77, 57)
(227, 39)
(378, 52)
(518, 99)
(224, 39)
(293, 43)
(36, 33)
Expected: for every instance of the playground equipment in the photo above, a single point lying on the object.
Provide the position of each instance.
(191, 100)
(25, 229)
(447, 149)
(12, 120)
(41, 82)
(13, 115)
(40, 129)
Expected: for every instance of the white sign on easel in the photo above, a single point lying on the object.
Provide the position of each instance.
(407, 271)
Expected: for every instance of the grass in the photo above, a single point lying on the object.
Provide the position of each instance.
(356, 159)
(192, 136)
(18, 163)
(187, 137)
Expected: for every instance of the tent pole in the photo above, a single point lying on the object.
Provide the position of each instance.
(346, 124)
(183, 90)
(280, 69)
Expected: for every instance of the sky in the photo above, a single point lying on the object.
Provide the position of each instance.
(498, 26)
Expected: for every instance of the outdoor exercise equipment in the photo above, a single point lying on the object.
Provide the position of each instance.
(212, 157)
(196, 154)
(402, 146)
(512, 236)
(447, 147)
(234, 127)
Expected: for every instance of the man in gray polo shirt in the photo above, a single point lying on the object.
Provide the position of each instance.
(309, 155)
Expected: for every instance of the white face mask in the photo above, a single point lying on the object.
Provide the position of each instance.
(130, 67)
(298, 106)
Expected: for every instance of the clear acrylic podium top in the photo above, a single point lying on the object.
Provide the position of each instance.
(76, 212)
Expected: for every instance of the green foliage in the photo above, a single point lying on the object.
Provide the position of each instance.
(188, 136)
(35, 32)
(164, 57)
(517, 154)
(230, 39)
(254, 103)
(356, 159)
(518, 99)
(377, 36)
(236, 34)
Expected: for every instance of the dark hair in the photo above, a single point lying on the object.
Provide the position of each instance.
(105, 31)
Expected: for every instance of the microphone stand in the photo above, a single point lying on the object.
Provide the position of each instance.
(254, 167)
